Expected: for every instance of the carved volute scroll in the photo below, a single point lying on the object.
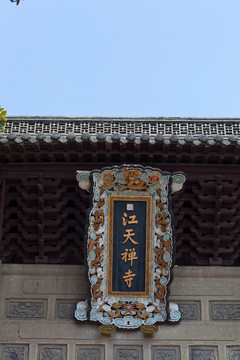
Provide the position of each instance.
(130, 246)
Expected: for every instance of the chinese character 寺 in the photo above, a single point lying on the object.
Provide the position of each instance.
(129, 233)
(128, 278)
(129, 255)
(127, 221)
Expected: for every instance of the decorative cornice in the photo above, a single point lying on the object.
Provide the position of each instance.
(124, 130)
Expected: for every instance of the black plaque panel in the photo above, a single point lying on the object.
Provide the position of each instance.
(129, 242)
(121, 264)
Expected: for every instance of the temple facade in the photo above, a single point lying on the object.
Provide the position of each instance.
(43, 218)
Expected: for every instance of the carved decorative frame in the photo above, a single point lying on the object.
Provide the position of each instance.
(131, 311)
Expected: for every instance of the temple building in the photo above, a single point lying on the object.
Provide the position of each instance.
(43, 218)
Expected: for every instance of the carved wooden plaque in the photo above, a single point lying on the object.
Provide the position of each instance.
(130, 246)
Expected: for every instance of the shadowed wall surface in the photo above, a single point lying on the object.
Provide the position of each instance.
(37, 317)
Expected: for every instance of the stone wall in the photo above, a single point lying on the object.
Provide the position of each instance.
(37, 322)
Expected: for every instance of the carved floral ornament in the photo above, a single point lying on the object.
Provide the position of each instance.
(129, 246)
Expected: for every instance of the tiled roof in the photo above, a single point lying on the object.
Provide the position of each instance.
(137, 130)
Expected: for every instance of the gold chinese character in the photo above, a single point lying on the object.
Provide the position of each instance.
(128, 236)
(128, 278)
(126, 221)
(129, 255)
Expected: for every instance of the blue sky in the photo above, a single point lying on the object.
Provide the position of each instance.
(120, 58)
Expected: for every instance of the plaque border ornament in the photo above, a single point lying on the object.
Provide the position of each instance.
(130, 311)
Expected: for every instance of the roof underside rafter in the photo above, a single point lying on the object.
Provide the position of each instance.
(43, 210)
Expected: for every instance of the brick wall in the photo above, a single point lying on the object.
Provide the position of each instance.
(37, 322)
